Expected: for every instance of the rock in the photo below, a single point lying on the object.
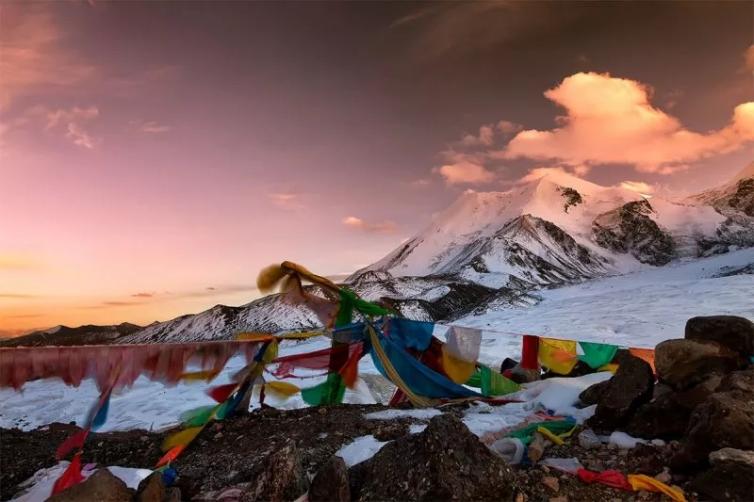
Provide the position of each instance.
(735, 467)
(551, 483)
(330, 484)
(592, 394)
(523, 375)
(283, 477)
(684, 363)
(445, 461)
(562, 498)
(630, 388)
(696, 395)
(101, 486)
(736, 333)
(536, 448)
(724, 420)
(739, 380)
(173, 495)
(151, 489)
(664, 477)
(387, 431)
(662, 417)
(589, 440)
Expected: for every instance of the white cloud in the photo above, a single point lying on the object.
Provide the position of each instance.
(71, 121)
(153, 127)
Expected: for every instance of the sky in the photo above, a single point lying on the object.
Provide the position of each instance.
(155, 155)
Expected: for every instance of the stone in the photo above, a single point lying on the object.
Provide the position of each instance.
(387, 431)
(589, 440)
(101, 486)
(592, 394)
(523, 375)
(735, 467)
(551, 483)
(173, 495)
(662, 417)
(151, 489)
(694, 396)
(629, 388)
(724, 420)
(739, 380)
(684, 363)
(736, 333)
(444, 462)
(283, 477)
(330, 484)
(536, 448)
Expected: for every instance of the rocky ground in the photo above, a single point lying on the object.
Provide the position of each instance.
(702, 406)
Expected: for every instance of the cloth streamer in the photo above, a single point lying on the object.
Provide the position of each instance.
(557, 355)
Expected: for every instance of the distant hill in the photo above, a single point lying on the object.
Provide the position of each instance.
(63, 335)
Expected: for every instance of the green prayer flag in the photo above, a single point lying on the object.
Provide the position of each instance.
(331, 391)
(597, 354)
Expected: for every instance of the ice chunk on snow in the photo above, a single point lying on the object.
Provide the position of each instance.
(419, 414)
(560, 395)
(361, 449)
(623, 440)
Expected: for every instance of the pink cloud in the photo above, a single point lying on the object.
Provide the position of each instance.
(611, 121)
(286, 200)
(465, 172)
(152, 127)
(384, 227)
(32, 56)
(485, 137)
(72, 122)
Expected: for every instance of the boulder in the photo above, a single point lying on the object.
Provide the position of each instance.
(662, 417)
(735, 467)
(631, 387)
(330, 484)
(684, 363)
(694, 396)
(736, 333)
(387, 431)
(724, 420)
(444, 462)
(592, 394)
(151, 489)
(282, 479)
(739, 380)
(101, 486)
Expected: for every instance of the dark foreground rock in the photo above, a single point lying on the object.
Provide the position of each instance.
(725, 420)
(101, 486)
(330, 484)
(730, 478)
(736, 333)
(663, 417)
(444, 462)
(631, 387)
(282, 479)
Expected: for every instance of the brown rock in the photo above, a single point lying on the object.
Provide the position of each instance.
(736, 333)
(282, 479)
(592, 394)
(330, 484)
(684, 363)
(631, 387)
(662, 417)
(151, 489)
(725, 420)
(101, 486)
(739, 380)
(551, 483)
(387, 431)
(731, 476)
(444, 462)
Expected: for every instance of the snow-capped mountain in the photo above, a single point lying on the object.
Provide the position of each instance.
(496, 250)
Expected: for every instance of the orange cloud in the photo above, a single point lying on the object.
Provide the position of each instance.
(72, 122)
(286, 200)
(611, 121)
(153, 127)
(465, 172)
(749, 58)
(385, 227)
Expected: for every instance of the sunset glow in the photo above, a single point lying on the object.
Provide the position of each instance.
(155, 156)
